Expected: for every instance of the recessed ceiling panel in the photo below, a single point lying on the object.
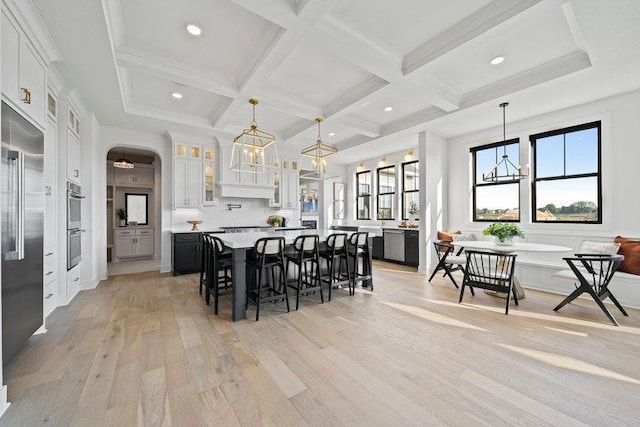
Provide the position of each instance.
(230, 34)
(402, 100)
(315, 76)
(533, 38)
(404, 25)
(268, 119)
(149, 91)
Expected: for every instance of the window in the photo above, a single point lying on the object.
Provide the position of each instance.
(363, 184)
(386, 192)
(137, 208)
(495, 201)
(410, 187)
(566, 175)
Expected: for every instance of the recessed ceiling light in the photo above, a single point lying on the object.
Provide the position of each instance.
(388, 108)
(194, 30)
(332, 134)
(497, 60)
(177, 95)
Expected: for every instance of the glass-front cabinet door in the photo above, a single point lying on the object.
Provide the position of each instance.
(208, 173)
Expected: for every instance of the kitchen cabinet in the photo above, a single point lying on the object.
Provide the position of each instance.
(411, 247)
(50, 294)
(186, 255)
(24, 75)
(50, 225)
(208, 183)
(132, 242)
(73, 284)
(187, 183)
(73, 156)
(290, 190)
(187, 151)
(378, 247)
(140, 176)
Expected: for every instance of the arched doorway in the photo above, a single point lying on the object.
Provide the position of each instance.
(133, 210)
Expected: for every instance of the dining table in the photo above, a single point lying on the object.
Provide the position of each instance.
(488, 245)
(241, 243)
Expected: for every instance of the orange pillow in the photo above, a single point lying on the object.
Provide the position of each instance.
(443, 235)
(631, 251)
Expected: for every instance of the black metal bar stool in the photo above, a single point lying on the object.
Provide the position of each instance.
(305, 256)
(359, 248)
(267, 256)
(336, 252)
(218, 260)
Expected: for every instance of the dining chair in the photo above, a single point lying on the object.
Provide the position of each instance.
(491, 271)
(359, 248)
(592, 274)
(218, 261)
(266, 261)
(306, 258)
(336, 253)
(448, 260)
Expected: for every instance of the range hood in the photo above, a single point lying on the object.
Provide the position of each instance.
(247, 191)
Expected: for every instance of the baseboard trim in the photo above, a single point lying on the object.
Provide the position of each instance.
(4, 404)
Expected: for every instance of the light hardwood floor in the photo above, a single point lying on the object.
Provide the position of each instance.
(143, 349)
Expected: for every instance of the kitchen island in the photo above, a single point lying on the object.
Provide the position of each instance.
(241, 243)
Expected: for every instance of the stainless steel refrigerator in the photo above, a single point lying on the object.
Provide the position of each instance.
(22, 209)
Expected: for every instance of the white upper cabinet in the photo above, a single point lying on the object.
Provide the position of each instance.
(73, 156)
(139, 176)
(24, 75)
(187, 183)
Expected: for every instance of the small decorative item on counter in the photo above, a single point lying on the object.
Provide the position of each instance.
(194, 224)
(122, 216)
(275, 220)
(413, 210)
(503, 232)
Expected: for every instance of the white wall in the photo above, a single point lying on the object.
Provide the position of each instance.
(620, 175)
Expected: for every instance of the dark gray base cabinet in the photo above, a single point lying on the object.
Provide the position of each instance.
(378, 247)
(411, 248)
(186, 255)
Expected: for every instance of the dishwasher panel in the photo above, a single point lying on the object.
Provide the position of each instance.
(394, 245)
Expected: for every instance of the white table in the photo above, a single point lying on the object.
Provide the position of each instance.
(240, 243)
(507, 249)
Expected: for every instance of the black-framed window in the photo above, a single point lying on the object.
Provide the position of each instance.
(137, 208)
(567, 185)
(499, 200)
(410, 188)
(363, 186)
(386, 192)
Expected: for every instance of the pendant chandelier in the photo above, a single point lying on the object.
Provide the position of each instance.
(254, 150)
(123, 162)
(504, 170)
(319, 152)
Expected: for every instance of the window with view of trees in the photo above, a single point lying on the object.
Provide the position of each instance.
(495, 201)
(410, 188)
(363, 185)
(566, 175)
(386, 192)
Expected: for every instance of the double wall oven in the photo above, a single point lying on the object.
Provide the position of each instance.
(74, 224)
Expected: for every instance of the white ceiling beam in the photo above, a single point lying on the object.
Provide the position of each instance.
(352, 142)
(363, 127)
(437, 92)
(466, 30)
(277, 12)
(541, 74)
(210, 81)
(418, 118)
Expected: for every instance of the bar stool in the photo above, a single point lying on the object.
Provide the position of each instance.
(204, 262)
(336, 252)
(267, 255)
(305, 255)
(219, 260)
(359, 248)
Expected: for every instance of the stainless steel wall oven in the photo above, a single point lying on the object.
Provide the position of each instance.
(74, 222)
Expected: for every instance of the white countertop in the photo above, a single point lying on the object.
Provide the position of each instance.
(516, 247)
(248, 239)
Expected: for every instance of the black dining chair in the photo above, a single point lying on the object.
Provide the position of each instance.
(267, 263)
(448, 260)
(593, 273)
(306, 258)
(218, 261)
(491, 271)
(358, 248)
(334, 254)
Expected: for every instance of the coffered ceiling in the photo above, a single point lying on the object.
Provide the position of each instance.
(346, 60)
